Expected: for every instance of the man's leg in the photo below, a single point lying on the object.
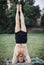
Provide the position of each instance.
(17, 26)
(23, 27)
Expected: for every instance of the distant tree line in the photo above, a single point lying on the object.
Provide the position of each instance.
(7, 16)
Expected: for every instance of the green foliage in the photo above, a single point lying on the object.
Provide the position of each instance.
(31, 13)
(3, 6)
(31, 2)
(7, 16)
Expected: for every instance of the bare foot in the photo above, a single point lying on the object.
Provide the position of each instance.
(18, 7)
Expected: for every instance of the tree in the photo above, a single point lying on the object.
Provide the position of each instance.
(42, 20)
(3, 5)
(31, 13)
(7, 16)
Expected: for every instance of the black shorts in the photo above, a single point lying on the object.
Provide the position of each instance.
(21, 37)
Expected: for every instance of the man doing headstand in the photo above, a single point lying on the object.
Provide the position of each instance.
(21, 37)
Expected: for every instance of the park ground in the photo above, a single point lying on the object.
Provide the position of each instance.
(35, 45)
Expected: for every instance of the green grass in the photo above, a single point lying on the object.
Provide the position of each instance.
(35, 45)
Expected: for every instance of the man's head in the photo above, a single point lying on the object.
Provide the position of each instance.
(21, 58)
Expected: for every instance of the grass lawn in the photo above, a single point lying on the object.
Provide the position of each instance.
(35, 45)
